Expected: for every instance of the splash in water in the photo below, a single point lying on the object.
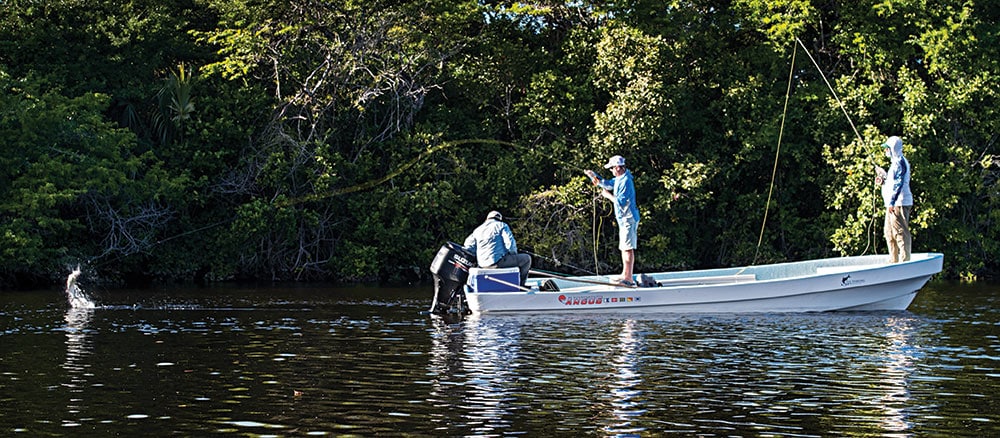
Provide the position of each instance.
(78, 299)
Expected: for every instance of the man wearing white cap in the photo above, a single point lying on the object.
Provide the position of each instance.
(620, 190)
(898, 199)
(495, 247)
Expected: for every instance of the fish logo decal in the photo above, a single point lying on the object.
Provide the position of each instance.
(848, 281)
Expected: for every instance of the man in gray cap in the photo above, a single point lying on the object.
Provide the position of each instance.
(495, 247)
(620, 190)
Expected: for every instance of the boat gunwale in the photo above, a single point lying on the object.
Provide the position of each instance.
(921, 268)
(926, 257)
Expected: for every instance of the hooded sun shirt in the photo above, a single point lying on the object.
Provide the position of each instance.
(896, 187)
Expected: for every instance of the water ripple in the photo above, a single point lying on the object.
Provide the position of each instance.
(314, 363)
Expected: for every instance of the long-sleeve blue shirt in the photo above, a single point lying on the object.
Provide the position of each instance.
(623, 189)
(491, 241)
(896, 187)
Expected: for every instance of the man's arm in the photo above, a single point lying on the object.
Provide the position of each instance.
(470, 243)
(598, 181)
(508, 239)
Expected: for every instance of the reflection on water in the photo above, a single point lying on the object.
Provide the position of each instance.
(491, 360)
(677, 374)
(476, 362)
(334, 362)
(626, 377)
(77, 346)
(790, 374)
(895, 376)
(75, 365)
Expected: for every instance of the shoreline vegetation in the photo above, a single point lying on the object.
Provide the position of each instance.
(214, 141)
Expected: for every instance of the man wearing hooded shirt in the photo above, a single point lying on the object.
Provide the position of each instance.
(495, 247)
(898, 200)
(620, 190)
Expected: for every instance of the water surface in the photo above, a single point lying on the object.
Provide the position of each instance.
(315, 361)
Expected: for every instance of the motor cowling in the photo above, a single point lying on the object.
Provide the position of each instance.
(450, 269)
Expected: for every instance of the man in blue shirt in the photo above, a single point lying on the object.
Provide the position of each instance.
(621, 192)
(495, 247)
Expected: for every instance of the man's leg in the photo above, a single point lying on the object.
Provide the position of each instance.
(907, 243)
(628, 258)
(628, 240)
(521, 261)
(890, 241)
(524, 264)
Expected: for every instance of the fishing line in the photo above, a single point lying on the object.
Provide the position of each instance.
(595, 233)
(316, 196)
(399, 171)
(423, 155)
(871, 224)
(777, 153)
(840, 103)
(94, 262)
(835, 97)
(781, 130)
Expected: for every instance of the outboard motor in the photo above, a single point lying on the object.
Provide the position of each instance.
(451, 270)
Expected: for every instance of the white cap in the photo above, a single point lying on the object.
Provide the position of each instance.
(616, 160)
(494, 215)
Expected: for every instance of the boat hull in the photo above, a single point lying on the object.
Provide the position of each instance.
(863, 283)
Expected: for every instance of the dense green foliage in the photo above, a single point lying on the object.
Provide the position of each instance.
(222, 139)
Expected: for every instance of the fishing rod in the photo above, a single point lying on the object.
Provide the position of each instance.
(580, 280)
(559, 263)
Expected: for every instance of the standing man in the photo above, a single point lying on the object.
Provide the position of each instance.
(898, 200)
(620, 190)
(494, 245)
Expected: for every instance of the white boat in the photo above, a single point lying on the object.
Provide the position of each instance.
(861, 283)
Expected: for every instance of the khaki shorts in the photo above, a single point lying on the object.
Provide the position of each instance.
(628, 235)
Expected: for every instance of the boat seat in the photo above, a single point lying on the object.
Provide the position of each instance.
(494, 280)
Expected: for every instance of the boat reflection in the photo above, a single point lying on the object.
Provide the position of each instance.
(482, 362)
(636, 373)
(477, 358)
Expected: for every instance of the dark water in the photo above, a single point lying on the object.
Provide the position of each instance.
(332, 361)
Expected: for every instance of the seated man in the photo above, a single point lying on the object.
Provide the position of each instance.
(494, 246)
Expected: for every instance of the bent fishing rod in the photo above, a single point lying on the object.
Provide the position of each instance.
(558, 263)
